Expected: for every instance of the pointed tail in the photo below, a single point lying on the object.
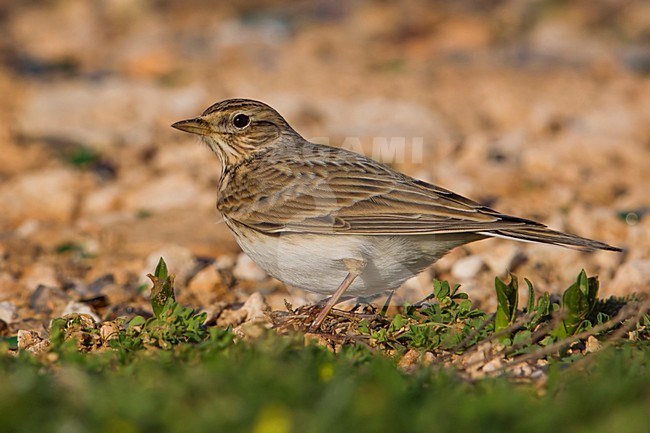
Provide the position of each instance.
(544, 235)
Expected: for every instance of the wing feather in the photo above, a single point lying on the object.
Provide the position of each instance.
(352, 195)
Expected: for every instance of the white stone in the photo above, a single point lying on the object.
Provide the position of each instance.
(501, 257)
(27, 228)
(102, 200)
(226, 262)
(467, 267)
(74, 307)
(7, 311)
(246, 269)
(255, 306)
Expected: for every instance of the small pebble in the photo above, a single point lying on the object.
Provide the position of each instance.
(206, 285)
(255, 307)
(502, 257)
(467, 267)
(39, 274)
(7, 312)
(32, 342)
(45, 299)
(75, 307)
(246, 269)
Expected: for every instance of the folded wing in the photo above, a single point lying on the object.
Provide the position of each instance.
(328, 194)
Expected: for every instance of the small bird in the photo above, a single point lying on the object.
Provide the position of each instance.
(335, 222)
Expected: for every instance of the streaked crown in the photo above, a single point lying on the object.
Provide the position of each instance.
(235, 129)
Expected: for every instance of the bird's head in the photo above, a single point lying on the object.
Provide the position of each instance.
(235, 129)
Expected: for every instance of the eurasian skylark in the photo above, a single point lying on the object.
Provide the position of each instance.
(332, 221)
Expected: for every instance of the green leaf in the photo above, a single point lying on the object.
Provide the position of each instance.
(522, 337)
(11, 341)
(543, 306)
(577, 302)
(137, 321)
(441, 289)
(83, 156)
(161, 269)
(456, 294)
(507, 300)
(398, 322)
(531, 296)
(162, 292)
(57, 331)
(592, 292)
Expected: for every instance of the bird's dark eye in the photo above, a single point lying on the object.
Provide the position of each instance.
(241, 121)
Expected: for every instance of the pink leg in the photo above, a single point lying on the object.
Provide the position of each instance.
(331, 302)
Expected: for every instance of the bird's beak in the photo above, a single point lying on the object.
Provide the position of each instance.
(194, 126)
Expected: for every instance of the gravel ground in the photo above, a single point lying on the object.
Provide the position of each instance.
(539, 109)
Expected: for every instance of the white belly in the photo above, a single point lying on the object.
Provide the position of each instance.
(316, 262)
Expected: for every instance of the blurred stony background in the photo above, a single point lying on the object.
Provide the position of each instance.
(537, 108)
